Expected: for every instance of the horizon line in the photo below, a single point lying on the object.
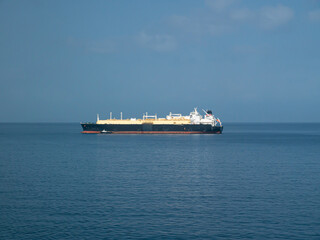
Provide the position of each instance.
(242, 122)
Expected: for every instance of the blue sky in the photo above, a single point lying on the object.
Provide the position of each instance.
(248, 61)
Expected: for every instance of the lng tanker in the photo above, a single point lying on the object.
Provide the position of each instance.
(194, 123)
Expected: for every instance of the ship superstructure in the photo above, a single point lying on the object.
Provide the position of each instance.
(172, 123)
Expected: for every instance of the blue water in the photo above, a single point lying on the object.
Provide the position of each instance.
(254, 181)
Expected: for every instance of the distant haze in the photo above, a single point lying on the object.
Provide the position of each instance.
(248, 61)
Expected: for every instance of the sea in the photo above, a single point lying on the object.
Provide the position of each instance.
(254, 181)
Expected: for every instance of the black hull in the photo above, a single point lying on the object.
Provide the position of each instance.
(150, 128)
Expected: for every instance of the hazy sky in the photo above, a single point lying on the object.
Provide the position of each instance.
(256, 61)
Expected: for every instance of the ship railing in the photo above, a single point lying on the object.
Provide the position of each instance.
(146, 116)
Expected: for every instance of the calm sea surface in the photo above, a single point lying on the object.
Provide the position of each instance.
(254, 181)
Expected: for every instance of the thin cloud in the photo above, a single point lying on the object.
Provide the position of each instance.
(160, 43)
(242, 14)
(198, 25)
(225, 16)
(314, 15)
(273, 17)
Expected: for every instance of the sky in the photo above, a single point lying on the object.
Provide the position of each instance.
(247, 61)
